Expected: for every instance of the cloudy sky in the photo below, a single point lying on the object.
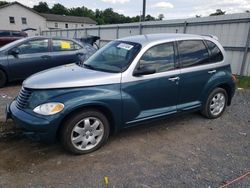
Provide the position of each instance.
(170, 8)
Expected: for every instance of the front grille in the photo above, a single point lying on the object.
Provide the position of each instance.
(23, 97)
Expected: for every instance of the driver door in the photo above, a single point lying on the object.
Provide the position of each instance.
(31, 57)
(154, 95)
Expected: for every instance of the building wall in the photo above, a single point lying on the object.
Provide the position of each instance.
(233, 32)
(33, 20)
(61, 25)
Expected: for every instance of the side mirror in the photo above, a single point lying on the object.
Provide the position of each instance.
(14, 51)
(144, 70)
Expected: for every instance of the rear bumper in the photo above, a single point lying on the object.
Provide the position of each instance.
(38, 128)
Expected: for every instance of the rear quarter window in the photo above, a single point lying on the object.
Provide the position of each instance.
(192, 53)
(215, 53)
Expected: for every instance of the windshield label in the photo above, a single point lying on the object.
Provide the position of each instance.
(125, 46)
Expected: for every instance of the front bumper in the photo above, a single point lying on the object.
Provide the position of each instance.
(38, 128)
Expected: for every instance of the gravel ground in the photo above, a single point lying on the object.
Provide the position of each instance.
(184, 151)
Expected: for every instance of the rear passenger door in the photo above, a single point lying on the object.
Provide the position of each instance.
(65, 52)
(196, 63)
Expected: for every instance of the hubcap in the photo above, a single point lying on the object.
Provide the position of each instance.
(87, 133)
(217, 104)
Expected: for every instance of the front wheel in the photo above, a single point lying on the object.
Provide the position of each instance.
(85, 132)
(216, 103)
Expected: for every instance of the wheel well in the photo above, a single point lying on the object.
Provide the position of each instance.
(229, 92)
(101, 109)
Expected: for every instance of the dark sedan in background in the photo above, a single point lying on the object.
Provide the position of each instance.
(8, 36)
(29, 55)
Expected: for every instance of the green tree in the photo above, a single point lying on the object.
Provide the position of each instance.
(218, 12)
(110, 17)
(150, 18)
(135, 18)
(160, 16)
(59, 9)
(98, 17)
(42, 7)
(76, 11)
(3, 3)
(107, 16)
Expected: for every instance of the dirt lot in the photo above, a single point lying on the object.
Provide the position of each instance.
(188, 151)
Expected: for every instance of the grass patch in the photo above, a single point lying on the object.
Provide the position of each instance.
(243, 82)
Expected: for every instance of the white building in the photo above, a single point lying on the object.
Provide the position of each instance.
(15, 16)
(54, 21)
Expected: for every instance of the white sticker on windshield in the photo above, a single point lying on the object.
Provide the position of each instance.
(125, 46)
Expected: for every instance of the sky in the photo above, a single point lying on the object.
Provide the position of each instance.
(172, 9)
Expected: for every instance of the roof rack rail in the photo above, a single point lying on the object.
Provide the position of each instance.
(212, 36)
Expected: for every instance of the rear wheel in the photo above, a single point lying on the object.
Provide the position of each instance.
(216, 103)
(3, 78)
(85, 132)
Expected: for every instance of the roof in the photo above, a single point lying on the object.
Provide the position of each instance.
(55, 17)
(149, 38)
(17, 3)
(63, 18)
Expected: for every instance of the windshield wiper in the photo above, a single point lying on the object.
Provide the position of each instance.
(88, 66)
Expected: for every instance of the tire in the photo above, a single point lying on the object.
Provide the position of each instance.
(216, 104)
(85, 132)
(3, 78)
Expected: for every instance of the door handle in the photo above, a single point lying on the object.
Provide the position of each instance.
(212, 71)
(173, 79)
(46, 57)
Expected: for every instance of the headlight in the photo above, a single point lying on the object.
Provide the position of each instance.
(49, 108)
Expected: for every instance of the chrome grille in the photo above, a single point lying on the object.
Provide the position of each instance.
(23, 98)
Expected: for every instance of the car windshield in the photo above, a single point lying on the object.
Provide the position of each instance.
(115, 57)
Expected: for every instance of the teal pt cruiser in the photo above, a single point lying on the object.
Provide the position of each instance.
(128, 81)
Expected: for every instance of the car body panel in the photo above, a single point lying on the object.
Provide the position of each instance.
(137, 97)
(70, 76)
(4, 63)
(46, 127)
(26, 64)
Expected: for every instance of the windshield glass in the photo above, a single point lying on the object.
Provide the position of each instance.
(115, 57)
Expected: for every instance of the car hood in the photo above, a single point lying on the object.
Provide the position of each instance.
(69, 76)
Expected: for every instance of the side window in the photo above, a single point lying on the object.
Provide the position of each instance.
(192, 53)
(161, 57)
(24, 20)
(12, 19)
(76, 46)
(16, 34)
(64, 45)
(35, 46)
(215, 53)
(4, 33)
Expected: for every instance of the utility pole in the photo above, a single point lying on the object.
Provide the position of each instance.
(143, 10)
